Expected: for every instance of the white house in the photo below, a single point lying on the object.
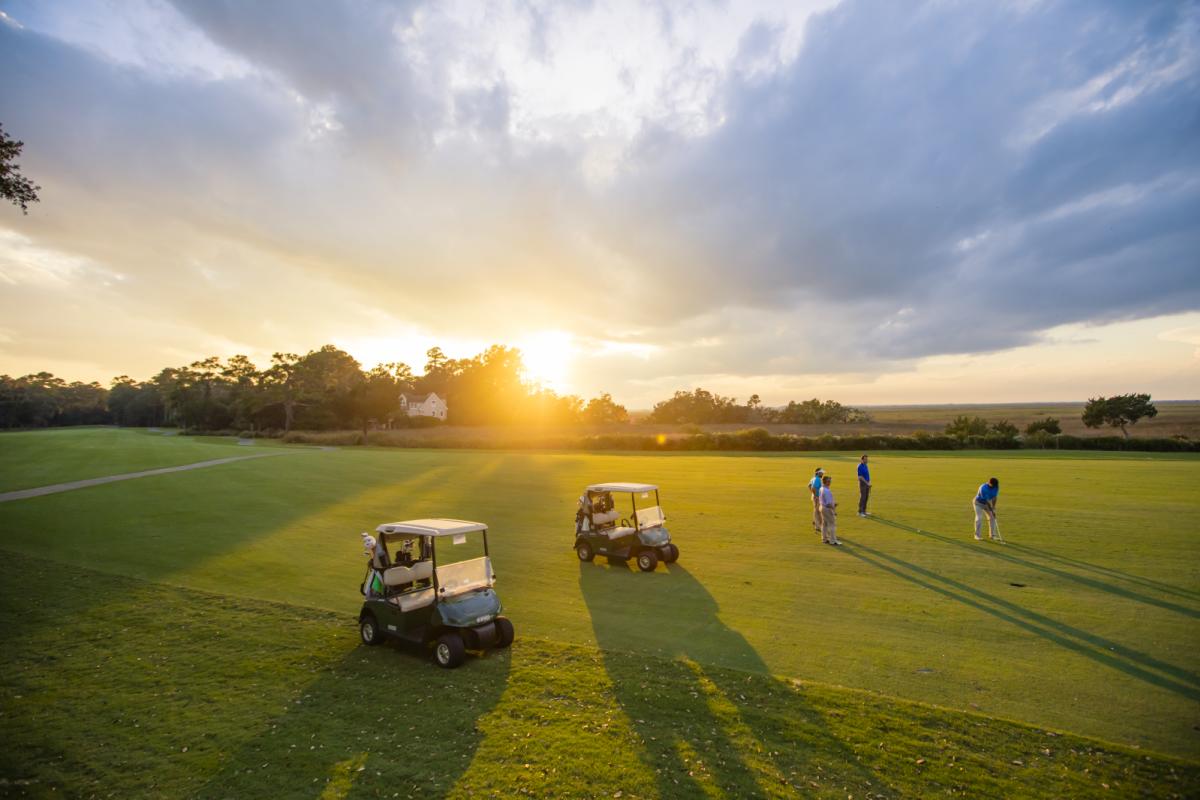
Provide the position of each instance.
(429, 405)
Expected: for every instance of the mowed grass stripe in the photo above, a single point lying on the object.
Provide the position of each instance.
(40, 458)
(1099, 637)
(55, 488)
(129, 688)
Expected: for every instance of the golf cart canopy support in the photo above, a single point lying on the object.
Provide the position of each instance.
(432, 527)
(635, 488)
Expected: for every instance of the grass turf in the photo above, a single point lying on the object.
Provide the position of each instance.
(1099, 638)
(125, 688)
(41, 458)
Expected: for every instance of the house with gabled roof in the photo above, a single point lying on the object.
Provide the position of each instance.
(424, 405)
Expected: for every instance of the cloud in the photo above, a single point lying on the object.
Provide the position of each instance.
(729, 189)
(853, 177)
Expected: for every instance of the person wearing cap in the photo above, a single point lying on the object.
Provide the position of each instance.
(864, 485)
(828, 512)
(814, 488)
(985, 506)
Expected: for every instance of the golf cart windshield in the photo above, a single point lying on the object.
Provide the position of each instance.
(462, 563)
(650, 517)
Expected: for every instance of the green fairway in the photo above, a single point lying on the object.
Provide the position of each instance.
(137, 689)
(1085, 622)
(40, 458)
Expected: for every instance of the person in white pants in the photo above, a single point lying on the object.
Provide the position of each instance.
(985, 506)
(814, 488)
(828, 513)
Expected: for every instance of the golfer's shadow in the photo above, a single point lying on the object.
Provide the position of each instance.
(699, 732)
(365, 726)
(1134, 663)
(1006, 554)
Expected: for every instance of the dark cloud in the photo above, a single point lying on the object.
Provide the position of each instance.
(926, 160)
(343, 53)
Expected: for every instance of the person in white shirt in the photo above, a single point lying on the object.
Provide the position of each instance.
(828, 513)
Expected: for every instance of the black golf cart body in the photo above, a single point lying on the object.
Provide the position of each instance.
(602, 529)
(418, 589)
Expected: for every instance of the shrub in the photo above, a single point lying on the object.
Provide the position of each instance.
(1005, 429)
(325, 438)
(1047, 425)
(965, 427)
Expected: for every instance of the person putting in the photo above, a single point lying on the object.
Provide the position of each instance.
(864, 485)
(985, 506)
(828, 513)
(814, 488)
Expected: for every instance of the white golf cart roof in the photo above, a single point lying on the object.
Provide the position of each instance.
(432, 527)
(622, 487)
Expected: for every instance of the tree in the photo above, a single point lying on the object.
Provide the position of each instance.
(1118, 411)
(698, 406)
(13, 185)
(376, 397)
(603, 409)
(329, 381)
(281, 383)
(1048, 425)
(963, 426)
(132, 404)
(1005, 429)
(242, 379)
(817, 412)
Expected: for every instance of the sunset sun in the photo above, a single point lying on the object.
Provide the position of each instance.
(548, 358)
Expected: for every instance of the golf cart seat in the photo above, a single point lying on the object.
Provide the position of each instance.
(410, 601)
(602, 518)
(399, 576)
(617, 533)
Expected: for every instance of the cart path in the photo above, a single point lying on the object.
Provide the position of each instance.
(54, 488)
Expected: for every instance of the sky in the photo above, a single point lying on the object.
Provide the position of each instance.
(873, 202)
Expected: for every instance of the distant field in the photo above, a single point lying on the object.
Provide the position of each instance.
(1174, 418)
(1086, 622)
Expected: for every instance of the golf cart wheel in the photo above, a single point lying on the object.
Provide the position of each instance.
(584, 551)
(647, 561)
(449, 651)
(504, 632)
(670, 554)
(368, 629)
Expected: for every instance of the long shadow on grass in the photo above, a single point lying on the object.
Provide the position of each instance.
(1104, 651)
(1109, 572)
(136, 689)
(154, 527)
(698, 738)
(1004, 555)
(374, 722)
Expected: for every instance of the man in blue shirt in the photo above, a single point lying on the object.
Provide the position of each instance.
(814, 488)
(985, 506)
(864, 486)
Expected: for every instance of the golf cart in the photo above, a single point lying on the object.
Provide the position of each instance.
(601, 530)
(429, 582)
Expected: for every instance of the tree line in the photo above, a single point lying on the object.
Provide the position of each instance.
(701, 406)
(327, 389)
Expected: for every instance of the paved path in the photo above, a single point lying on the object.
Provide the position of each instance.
(54, 488)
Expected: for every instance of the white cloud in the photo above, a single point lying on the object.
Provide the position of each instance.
(724, 191)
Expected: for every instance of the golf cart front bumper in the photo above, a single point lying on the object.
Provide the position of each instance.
(657, 536)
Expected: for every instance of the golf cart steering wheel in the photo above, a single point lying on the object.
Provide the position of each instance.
(625, 523)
